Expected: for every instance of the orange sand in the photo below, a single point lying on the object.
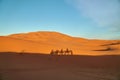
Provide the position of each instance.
(44, 42)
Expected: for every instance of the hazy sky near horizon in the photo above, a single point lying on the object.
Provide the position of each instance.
(96, 19)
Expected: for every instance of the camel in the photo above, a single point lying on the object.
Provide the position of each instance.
(61, 52)
(68, 52)
(71, 52)
(56, 52)
(52, 52)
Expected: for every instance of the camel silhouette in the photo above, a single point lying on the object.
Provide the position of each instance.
(61, 52)
(56, 52)
(68, 52)
(52, 52)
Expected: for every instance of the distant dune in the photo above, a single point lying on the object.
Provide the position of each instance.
(44, 42)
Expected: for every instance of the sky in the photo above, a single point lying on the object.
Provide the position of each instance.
(93, 19)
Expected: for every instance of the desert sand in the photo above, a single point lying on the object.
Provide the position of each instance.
(14, 66)
(26, 56)
(45, 41)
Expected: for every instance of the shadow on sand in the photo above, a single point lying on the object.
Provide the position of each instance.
(36, 66)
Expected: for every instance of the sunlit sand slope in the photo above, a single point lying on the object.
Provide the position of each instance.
(44, 42)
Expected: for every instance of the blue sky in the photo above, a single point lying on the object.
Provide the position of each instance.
(80, 18)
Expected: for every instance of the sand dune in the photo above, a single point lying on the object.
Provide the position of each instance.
(44, 42)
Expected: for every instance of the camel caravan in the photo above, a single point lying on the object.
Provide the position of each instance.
(61, 52)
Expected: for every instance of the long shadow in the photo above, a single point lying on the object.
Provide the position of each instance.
(13, 58)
